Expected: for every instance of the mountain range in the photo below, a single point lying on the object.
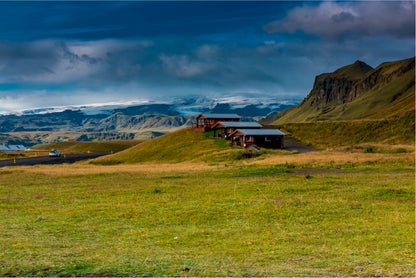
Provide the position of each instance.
(356, 91)
(141, 121)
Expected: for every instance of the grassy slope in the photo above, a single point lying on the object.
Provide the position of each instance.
(384, 100)
(94, 147)
(334, 134)
(235, 221)
(182, 145)
(186, 145)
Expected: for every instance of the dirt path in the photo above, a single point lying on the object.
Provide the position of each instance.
(291, 145)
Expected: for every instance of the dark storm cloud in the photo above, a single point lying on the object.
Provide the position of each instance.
(55, 61)
(339, 21)
(64, 53)
(159, 63)
(95, 20)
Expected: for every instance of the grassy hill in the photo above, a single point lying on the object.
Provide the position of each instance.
(178, 146)
(356, 92)
(335, 134)
(94, 147)
(186, 145)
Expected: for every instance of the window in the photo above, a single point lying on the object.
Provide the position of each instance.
(267, 139)
(248, 138)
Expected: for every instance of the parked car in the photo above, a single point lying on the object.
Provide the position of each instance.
(54, 153)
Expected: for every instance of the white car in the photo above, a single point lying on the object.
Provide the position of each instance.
(54, 153)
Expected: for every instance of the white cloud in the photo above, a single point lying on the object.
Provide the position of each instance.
(183, 66)
(207, 51)
(9, 103)
(336, 21)
(102, 48)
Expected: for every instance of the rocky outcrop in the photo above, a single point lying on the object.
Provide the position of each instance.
(336, 87)
(354, 92)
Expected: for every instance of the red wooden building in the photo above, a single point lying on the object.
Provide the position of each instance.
(205, 122)
(267, 138)
(224, 129)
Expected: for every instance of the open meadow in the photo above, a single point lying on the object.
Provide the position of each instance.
(313, 214)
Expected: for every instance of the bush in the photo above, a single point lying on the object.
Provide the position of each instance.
(400, 150)
(237, 155)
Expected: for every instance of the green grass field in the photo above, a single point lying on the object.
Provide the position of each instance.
(241, 220)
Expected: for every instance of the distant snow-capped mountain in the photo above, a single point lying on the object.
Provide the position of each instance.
(247, 105)
(107, 121)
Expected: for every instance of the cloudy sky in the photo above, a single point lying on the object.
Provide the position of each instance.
(74, 53)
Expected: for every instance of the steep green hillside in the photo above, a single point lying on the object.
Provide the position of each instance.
(334, 134)
(178, 146)
(94, 147)
(356, 92)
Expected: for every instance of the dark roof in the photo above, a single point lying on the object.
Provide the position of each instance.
(241, 124)
(261, 132)
(220, 116)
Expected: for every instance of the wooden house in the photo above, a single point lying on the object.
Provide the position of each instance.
(224, 129)
(205, 122)
(267, 138)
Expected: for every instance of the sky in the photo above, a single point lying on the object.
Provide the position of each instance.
(79, 53)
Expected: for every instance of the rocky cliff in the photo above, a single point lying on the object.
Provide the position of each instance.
(356, 91)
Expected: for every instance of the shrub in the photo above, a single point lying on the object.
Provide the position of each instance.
(400, 150)
(237, 155)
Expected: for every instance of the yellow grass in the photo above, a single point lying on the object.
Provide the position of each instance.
(86, 169)
(325, 157)
(310, 160)
(377, 147)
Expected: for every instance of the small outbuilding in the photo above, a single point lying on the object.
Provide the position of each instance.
(267, 138)
(205, 122)
(224, 129)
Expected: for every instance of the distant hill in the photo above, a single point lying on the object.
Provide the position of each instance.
(77, 121)
(356, 91)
